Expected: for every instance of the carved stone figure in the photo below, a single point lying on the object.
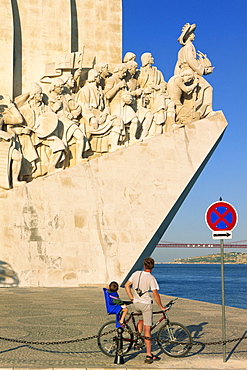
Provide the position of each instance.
(129, 56)
(200, 65)
(104, 72)
(92, 111)
(132, 82)
(163, 111)
(150, 77)
(140, 102)
(120, 101)
(76, 78)
(183, 88)
(43, 124)
(69, 84)
(10, 154)
(102, 129)
(67, 110)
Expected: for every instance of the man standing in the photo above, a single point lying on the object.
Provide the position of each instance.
(141, 283)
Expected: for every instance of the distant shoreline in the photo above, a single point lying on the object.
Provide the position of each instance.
(230, 258)
(198, 263)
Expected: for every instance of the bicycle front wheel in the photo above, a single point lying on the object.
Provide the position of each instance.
(174, 339)
(107, 339)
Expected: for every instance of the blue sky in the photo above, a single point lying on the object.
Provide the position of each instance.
(222, 34)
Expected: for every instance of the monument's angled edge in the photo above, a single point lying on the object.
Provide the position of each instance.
(97, 153)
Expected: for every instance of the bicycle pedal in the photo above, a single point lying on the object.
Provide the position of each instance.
(137, 348)
(139, 344)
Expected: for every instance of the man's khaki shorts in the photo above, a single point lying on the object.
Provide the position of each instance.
(147, 312)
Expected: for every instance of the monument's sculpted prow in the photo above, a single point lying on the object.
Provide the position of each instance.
(101, 155)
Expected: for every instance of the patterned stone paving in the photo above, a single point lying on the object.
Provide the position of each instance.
(61, 314)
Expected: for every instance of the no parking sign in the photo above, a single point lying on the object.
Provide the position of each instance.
(221, 217)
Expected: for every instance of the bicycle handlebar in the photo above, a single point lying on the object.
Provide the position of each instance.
(168, 306)
(171, 302)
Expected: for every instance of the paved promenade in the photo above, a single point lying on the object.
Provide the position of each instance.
(61, 314)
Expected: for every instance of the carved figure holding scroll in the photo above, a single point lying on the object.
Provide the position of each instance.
(200, 65)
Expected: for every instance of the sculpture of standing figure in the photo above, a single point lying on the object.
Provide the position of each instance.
(200, 65)
(150, 77)
(43, 124)
(102, 129)
(10, 154)
(140, 102)
(119, 100)
(67, 111)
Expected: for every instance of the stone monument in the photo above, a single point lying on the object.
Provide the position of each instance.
(97, 155)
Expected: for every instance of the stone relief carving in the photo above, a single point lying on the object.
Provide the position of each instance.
(10, 153)
(89, 112)
(45, 151)
(71, 133)
(103, 129)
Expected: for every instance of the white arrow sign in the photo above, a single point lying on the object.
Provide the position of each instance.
(222, 234)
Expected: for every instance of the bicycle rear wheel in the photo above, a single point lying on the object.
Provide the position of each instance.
(107, 342)
(174, 339)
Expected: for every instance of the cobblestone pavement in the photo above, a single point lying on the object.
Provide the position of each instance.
(61, 314)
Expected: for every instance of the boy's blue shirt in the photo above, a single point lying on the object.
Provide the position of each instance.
(114, 298)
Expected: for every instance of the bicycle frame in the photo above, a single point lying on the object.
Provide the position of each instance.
(135, 314)
(173, 338)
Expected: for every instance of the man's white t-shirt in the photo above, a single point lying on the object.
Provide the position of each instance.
(147, 282)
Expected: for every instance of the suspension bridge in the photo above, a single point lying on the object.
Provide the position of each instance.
(238, 244)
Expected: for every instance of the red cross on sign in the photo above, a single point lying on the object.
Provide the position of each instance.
(221, 216)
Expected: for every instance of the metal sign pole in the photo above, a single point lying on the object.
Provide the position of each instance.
(221, 217)
(223, 300)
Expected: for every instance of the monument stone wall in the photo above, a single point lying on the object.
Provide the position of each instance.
(37, 33)
(6, 42)
(93, 222)
(96, 156)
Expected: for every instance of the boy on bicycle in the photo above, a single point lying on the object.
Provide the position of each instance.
(115, 300)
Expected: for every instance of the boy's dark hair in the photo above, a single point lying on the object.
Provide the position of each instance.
(113, 286)
(148, 263)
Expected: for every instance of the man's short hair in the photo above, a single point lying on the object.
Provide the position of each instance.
(148, 263)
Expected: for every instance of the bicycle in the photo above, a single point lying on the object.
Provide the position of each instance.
(174, 339)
